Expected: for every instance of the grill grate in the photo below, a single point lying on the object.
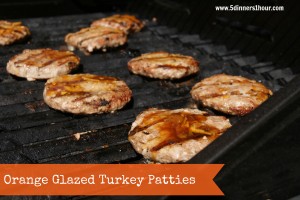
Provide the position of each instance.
(31, 132)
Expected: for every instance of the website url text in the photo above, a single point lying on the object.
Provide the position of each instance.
(249, 8)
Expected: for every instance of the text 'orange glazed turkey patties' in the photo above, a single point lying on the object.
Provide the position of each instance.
(163, 65)
(126, 23)
(42, 63)
(86, 93)
(233, 95)
(171, 136)
(11, 32)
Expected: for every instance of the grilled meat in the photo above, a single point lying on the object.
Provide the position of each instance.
(86, 93)
(126, 23)
(93, 38)
(170, 136)
(42, 63)
(233, 95)
(11, 32)
(163, 65)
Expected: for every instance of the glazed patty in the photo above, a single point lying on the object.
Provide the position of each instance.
(11, 32)
(94, 38)
(163, 65)
(86, 93)
(42, 63)
(126, 23)
(233, 95)
(170, 136)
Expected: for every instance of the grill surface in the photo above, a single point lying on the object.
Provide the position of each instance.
(31, 132)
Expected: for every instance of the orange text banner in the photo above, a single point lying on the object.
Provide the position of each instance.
(109, 179)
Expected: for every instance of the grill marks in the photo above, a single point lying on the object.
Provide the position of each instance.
(126, 23)
(230, 94)
(70, 85)
(162, 134)
(80, 85)
(163, 65)
(45, 57)
(34, 56)
(88, 34)
(11, 32)
(59, 59)
(153, 119)
(175, 127)
(93, 38)
(86, 93)
(42, 63)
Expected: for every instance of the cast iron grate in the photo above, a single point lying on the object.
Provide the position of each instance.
(31, 132)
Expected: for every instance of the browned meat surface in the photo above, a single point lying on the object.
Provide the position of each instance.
(170, 136)
(233, 95)
(11, 32)
(86, 93)
(94, 38)
(42, 63)
(126, 23)
(163, 65)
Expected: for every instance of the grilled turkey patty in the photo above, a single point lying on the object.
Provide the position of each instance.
(86, 93)
(42, 63)
(126, 23)
(233, 95)
(11, 32)
(93, 38)
(163, 65)
(170, 136)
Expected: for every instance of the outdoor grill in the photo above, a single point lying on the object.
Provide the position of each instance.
(31, 132)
